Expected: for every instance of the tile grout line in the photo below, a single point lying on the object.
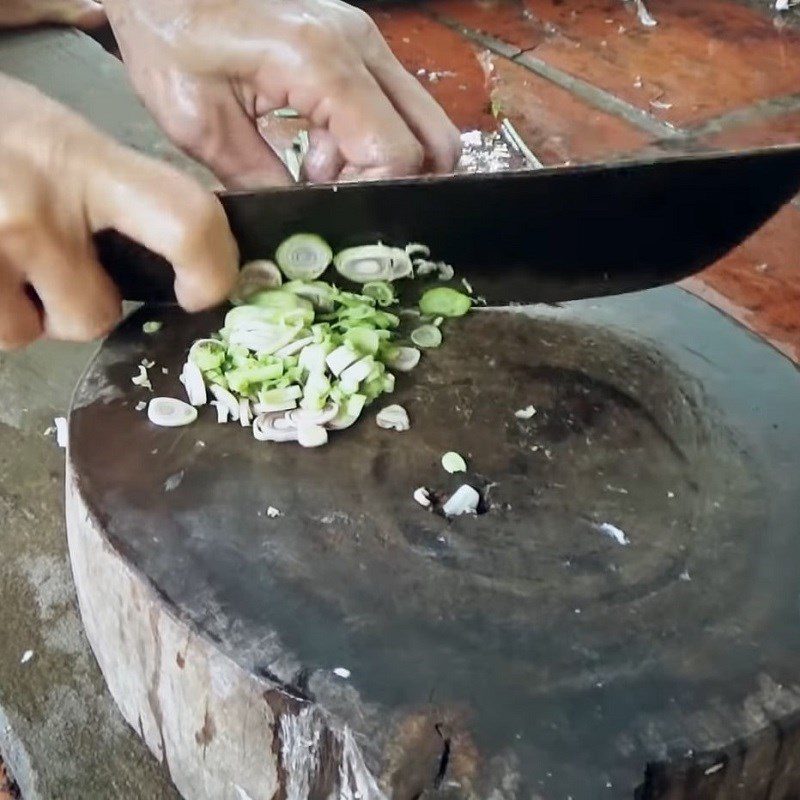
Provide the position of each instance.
(593, 95)
(759, 110)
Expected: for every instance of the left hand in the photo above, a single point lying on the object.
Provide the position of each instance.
(84, 14)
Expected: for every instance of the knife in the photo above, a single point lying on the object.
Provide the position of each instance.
(544, 235)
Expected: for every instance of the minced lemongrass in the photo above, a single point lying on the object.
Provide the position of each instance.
(152, 326)
(444, 302)
(426, 336)
(303, 256)
(454, 462)
(141, 379)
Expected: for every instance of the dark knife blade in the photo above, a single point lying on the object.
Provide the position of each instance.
(546, 235)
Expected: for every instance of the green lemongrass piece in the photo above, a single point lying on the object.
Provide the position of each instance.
(351, 299)
(403, 359)
(444, 302)
(372, 262)
(380, 291)
(288, 304)
(320, 294)
(364, 341)
(304, 256)
(453, 462)
(243, 380)
(349, 412)
(315, 392)
(255, 276)
(207, 354)
(312, 358)
(152, 326)
(277, 396)
(426, 336)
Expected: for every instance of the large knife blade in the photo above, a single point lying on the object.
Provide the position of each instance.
(545, 235)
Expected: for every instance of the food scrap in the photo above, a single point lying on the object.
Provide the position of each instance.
(453, 462)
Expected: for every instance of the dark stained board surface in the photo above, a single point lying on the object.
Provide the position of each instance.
(549, 658)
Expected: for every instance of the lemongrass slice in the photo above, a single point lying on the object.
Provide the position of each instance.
(320, 294)
(349, 412)
(255, 276)
(294, 347)
(446, 272)
(304, 256)
(269, 408)
(423, 497)
(426, 336)
(340, 359)
(453, 462)
(142, 379)
(355, 373)
(265, 430)
(393, 417)
(416, 249)
(525, 413)
(372, 262)
(152, 326)
(309, 416)
(311, 435)
(192, 380)
(224, 396)
(312, 358)
(170, 412)
(380, 291)
(207, 354)
(245, 412)
(444, 302)
(464, 500)
(223, 411)
(405, 359)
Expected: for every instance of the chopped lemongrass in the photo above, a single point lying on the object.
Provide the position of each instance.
(270, 408)
(467, 286)
(320, 294)
(426, 336)
(192, 380)
(141, 405)
(380, 291)
(294, 347)
(351, 377)
(393, 417)
(207, 354)
(141, 379)
(245, 412)
(223, 412)
(222, 395)
(152, 326)
(464, 500)
(416, 249)
(453, 462)
(265, 430)
(312, 358)
(340, 359)
(404, 359)
(311, 435)
(304, 256)
(446, 272)
(444, 302)
(372, 262)
(170, 412)
(525, 413)
(363, 341)
(147, 363)
(438, 321)
(273, 513)
(348, 413)
(424, 267)
(307, 416)
(423, 497)
(255, 276)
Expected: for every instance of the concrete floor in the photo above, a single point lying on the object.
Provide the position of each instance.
(581, 81)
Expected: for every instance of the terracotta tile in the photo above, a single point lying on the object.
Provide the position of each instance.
(557, 126)
(506, 20)
(704, 58)
(452, 71)
(759, 282)
(784, 129)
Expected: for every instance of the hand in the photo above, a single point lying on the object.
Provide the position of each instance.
(84, 14)
(60, 181)
(207, 69)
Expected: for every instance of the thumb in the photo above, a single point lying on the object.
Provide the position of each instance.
(84, 14)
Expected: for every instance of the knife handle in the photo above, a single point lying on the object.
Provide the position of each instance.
(139, 273)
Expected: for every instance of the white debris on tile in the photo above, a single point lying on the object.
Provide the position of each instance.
(173, 481)
(62, 432)
(423, 497)
(141, 405)
(660, 105)
(645, 17)
(525, 413)
(715, 768)
(486, 152)
(26, 657)
(273, 512)
(342, 672)
(685, 576)
(612, 531)
(463, 501)
(147, 363)
(142, 378)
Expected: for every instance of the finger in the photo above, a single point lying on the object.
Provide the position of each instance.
(323, 162)
(423, 115)
(20, 322)
(372, 137)
(79, 299)
(86, 14)
(170, 214)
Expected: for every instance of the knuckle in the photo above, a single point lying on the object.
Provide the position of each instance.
(15, 337)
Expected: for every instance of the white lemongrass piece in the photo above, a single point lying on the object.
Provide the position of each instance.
(147, 363)
(454, 462)
(388, 382)
(245, 412)
(349, 412)
(303, 256)
(463, 501)
(393, 417)
(342, 672)
(142, 379)
(373, 262)
(192, 380)
(311, 435)
(612, 531)
(423, 497)
(293, 392)
(405, 359)
(417, 249)
(352, 376)
(224, 396)
(62, 431)
(269, 408)
(312, 358)
(340, 359)
(446, 272)
(223, 412)
(424, 267)
(255, 276)
(525, 413)
(264, 430)
(294, 347)
(645, 17)
(273, 513)
(266, 338)
(170, 412)
(308, 416)
(152, 326)
(141, 405)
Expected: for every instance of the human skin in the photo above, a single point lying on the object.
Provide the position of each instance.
(60, 181)
(80, 13)
(207, 69)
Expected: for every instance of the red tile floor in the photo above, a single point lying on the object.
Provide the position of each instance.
(587, 81)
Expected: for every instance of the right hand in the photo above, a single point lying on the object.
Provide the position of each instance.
(84, 14)
(60, 182)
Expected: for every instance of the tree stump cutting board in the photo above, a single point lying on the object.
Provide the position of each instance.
(359, 646)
